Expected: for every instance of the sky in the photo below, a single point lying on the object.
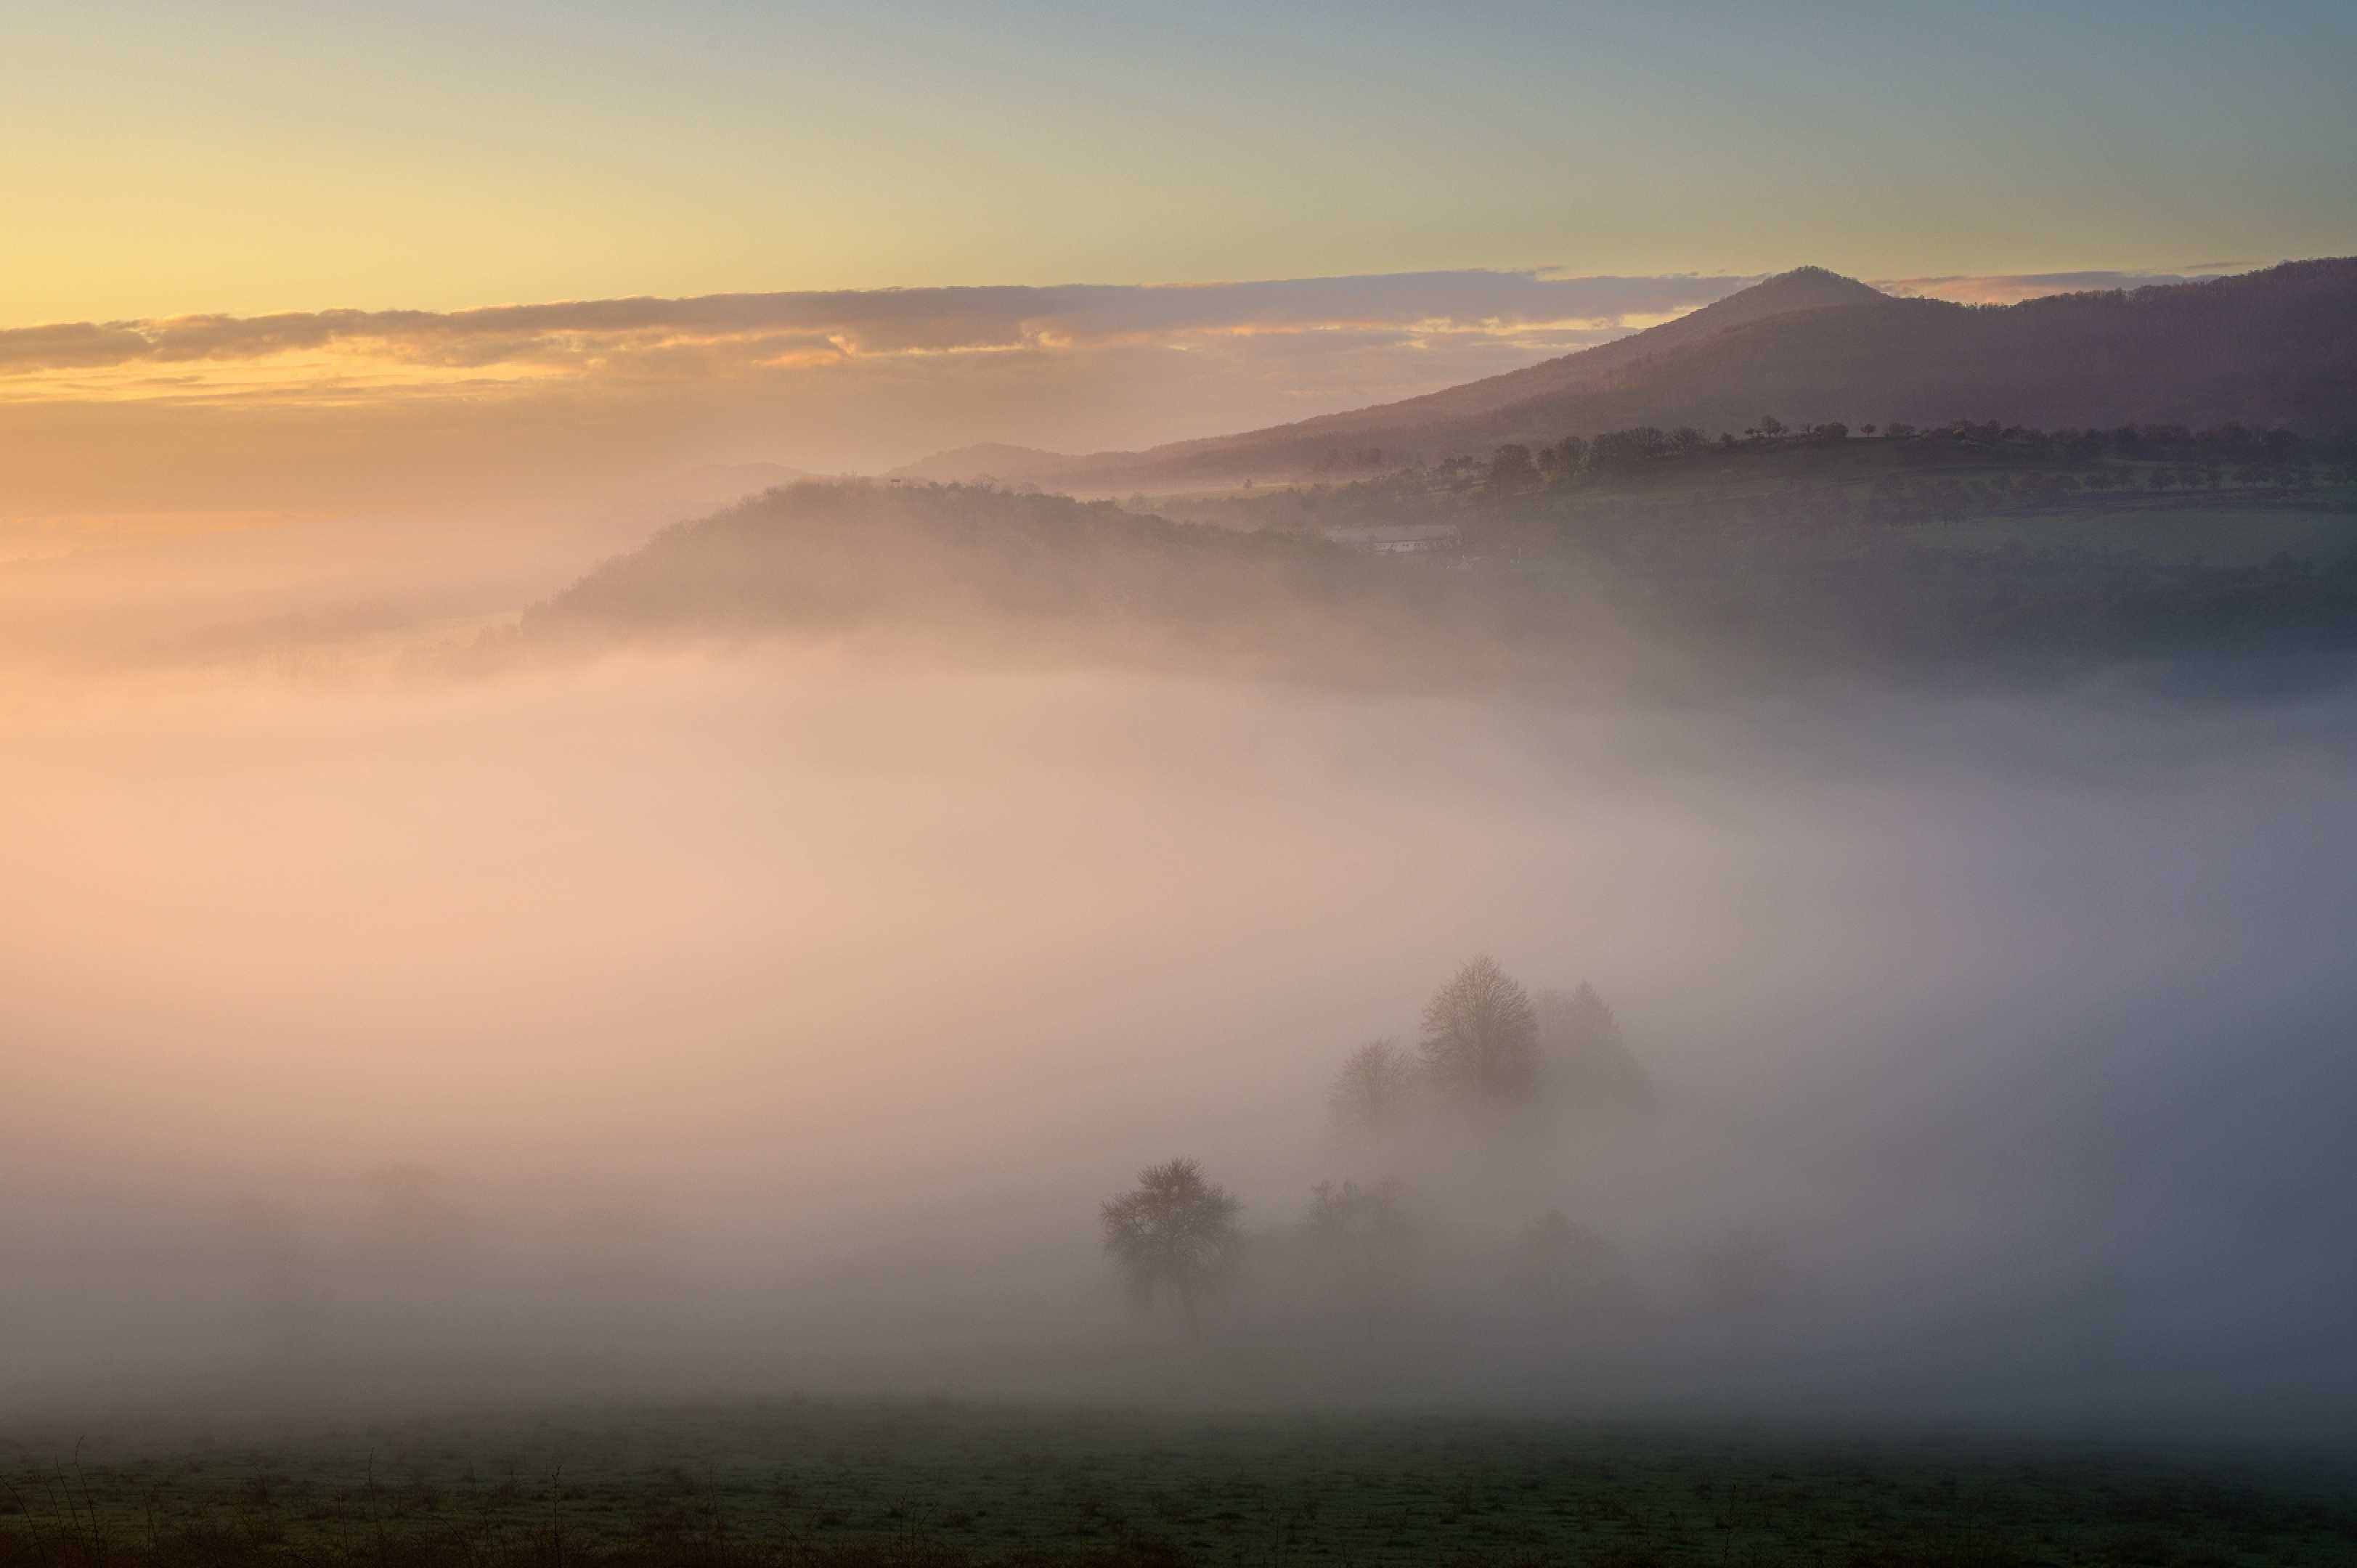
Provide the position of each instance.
(425, 166)
(256, 155)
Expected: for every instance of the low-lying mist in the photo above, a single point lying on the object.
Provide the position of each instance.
(718, 1023)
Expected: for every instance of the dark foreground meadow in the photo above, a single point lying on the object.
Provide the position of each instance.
(946, 1483)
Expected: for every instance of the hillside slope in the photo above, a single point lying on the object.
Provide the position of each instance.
(1690, 585)
(1805, 288)
(1802, 290)
(980, 571)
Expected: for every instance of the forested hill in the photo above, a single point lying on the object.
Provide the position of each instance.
(1710, 578)
(2267, 350)
(980, 571)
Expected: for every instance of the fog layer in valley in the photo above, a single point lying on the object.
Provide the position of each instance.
(715, 1024)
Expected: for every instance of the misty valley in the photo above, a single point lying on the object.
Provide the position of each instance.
(1884, 1064)
(1515, 976)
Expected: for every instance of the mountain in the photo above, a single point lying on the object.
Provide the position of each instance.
(1805, 288)
(2275, 348)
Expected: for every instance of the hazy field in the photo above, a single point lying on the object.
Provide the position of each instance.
(935, 1479)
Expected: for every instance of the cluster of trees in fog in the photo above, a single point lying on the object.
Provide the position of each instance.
(1489, 1045)
(1623, 448)
(1495, 1076)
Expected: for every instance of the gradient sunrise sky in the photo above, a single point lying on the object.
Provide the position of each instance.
(252, 155)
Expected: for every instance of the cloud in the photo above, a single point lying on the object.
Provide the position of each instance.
(2012, 288)
(70, 345)
(745, 330)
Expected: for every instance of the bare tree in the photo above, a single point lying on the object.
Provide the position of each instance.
(1588, 1065)
(1174, 1231)
(1372, 1089)
(1481, 1036)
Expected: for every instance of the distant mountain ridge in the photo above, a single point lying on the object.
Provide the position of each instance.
(2274, 347)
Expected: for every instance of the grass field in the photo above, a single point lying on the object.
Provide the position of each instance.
(952, 1482)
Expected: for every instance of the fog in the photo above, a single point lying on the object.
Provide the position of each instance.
(717, 1023)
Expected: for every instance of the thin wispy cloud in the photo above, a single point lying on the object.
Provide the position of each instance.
(329, 409)
(716, 331)
(719, 334)
(2012, 288)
